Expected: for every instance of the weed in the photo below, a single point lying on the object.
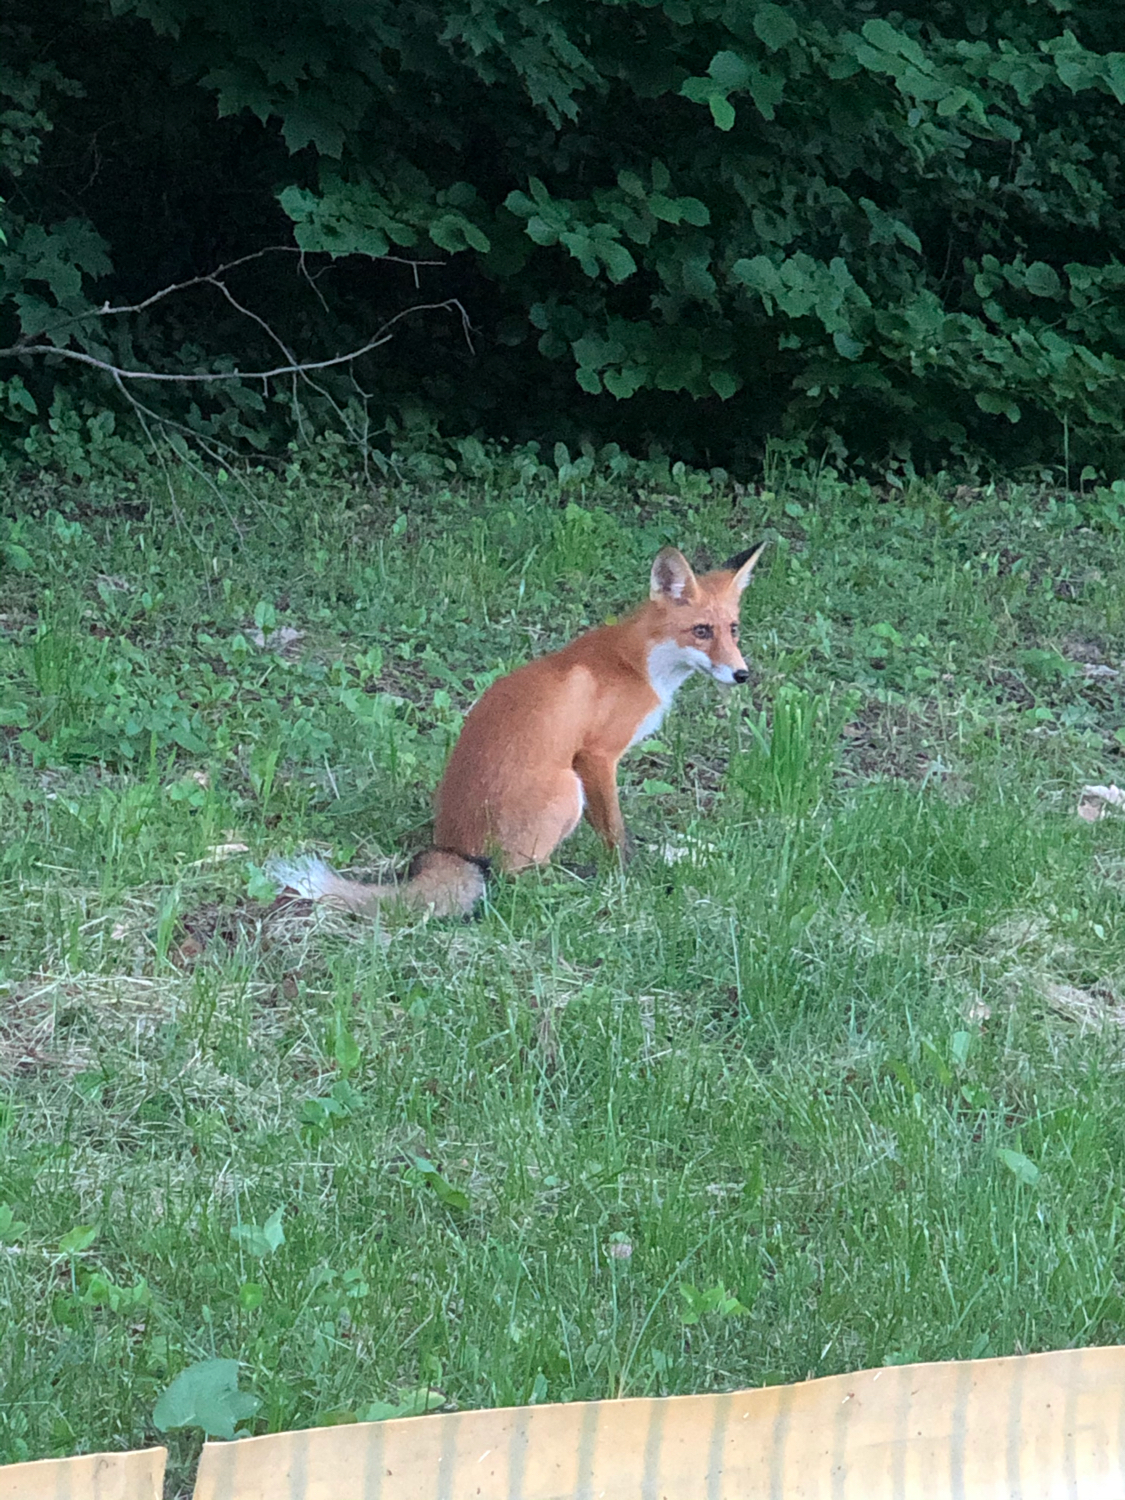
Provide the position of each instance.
(788, 764)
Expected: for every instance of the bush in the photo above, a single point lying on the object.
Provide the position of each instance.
(897, 234)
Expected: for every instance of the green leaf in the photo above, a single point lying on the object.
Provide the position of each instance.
(298, 203)
(1042, 280)
(80, 1238)
(331, 1109)
(729, 70)
(345, 1048)
(452, 1197)
(1021, 1166)
(888, 38)
(617, 260)
(411, 1403)
(767, 91)
(518, 203)
(760, 273)
(447, 232)
(11, 1228)
(459, 195)
(715, 1299)
(959, 1045)
(18, 395)
(696, 277)
(261, 1240)
(205, 1395)
(665, 209)
(259, 886)
(455, 232)
(185, 736)
(722, 111)
(774, 26)
(581, 246)
(1078, 69)
(625, 382)
(846, 346)
(954, 101)
(723, 383)
(272, 1231)
(694, 211)
(303, 126)
(540, 231)
(999, 404)
(1114, 64)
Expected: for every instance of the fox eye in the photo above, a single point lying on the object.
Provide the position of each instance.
(734, 632)
(702, 632)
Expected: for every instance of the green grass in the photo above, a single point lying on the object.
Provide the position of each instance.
(831, 1076)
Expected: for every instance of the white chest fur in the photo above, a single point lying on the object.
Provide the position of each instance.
(669, 665)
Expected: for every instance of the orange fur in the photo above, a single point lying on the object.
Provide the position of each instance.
(542, 745)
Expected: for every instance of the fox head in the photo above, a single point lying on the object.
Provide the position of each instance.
(698, 627)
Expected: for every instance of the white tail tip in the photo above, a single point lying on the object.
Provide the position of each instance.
(309, 876)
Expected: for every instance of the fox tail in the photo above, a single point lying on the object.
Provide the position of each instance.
(440, 881)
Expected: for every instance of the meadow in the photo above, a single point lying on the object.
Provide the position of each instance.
(829, 1077)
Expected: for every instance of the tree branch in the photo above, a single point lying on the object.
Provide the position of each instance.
(211, 278)
(231, 265)
(383, 336)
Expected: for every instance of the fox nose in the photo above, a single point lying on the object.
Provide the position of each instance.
(742, 675)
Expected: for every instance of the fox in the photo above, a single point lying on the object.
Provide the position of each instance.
(541, 747)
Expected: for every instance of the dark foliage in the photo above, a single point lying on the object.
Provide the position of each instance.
(695, 222)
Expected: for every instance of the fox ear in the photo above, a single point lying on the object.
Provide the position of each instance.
(742, 565)
(672, 577)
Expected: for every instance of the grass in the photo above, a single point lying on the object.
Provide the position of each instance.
(830, 1077)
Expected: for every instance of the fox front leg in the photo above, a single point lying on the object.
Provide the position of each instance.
(598, 775)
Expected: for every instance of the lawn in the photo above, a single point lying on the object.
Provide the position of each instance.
(830, 1076)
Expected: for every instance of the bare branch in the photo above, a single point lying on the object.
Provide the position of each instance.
(210, 278)
(312, 280)
(383, 336)
(298, 371)
(231, 265)
(254, 318)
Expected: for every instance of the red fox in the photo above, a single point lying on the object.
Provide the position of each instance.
(542, 745)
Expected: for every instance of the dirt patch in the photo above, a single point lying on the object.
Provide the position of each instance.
(1087, 649)
(218, 928)
(1097, 1005)
(1010, 688)
(900, 741)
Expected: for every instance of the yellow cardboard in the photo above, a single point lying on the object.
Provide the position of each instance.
(95, 1476)
(1037, 1427)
